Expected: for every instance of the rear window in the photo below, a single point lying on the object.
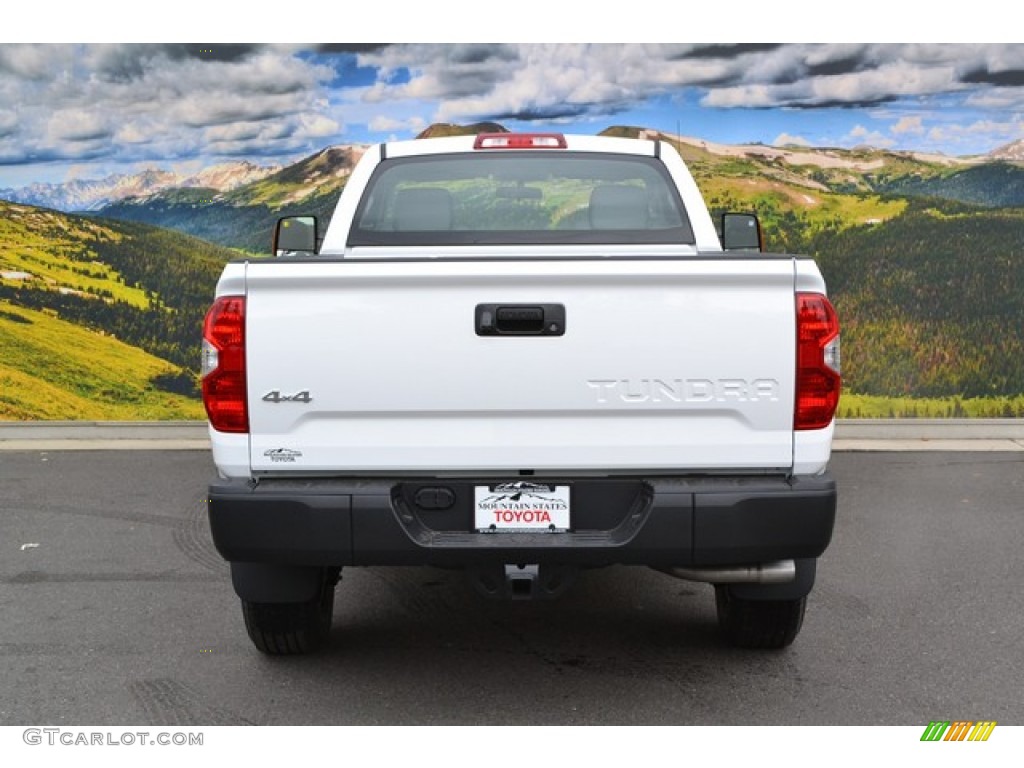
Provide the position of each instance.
(512, 198)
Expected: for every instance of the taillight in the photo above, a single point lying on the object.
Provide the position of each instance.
(520, 141)
(817, 362)
(224, 393)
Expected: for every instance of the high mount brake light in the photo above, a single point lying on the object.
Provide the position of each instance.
(224, 390)
(520, 141)
(817, 362)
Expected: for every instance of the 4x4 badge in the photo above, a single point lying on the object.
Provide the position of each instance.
(274, 396)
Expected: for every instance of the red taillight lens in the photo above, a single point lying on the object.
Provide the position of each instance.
(224, 392)
(817, 362)
(520, 141)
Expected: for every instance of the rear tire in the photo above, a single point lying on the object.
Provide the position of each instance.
(287, 629)
(761, 624)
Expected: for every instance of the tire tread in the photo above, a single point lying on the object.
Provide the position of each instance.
(288, 629)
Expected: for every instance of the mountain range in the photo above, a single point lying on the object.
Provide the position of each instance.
(244, 217)
(310, 173)
(1009, 153)
(814, 180)
(94, 194)
(922, 254)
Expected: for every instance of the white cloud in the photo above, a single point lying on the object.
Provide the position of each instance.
(77, 125)
(859, 135)
(986, 133)
(317, 126)
(995, 127)
(383, 123)
(34, 62)
(786, 139)
(549, 80)
(544, 80)
(911, 124)
(160, 102)
(131, 133)
(8, 122)
(856, 88)
(166, 102)
(282, 134)
(238, 131)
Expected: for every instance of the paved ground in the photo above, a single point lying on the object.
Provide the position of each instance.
(123, 614)
(948, 435)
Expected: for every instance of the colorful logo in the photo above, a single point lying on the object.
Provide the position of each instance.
(959, 730)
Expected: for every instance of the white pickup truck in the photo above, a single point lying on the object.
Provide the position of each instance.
(521, 355)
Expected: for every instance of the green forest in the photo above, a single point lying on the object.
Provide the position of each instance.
(931, 302)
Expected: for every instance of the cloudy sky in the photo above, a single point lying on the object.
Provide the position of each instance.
(85, 110)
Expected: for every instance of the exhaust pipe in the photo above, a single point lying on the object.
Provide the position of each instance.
(780, 572)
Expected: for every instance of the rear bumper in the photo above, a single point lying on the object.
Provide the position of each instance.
(660, 521)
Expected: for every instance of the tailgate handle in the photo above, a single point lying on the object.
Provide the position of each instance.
(520, 319)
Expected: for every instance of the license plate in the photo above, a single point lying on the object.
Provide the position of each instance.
(521, 506)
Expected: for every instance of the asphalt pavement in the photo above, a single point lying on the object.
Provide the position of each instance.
(117, 610)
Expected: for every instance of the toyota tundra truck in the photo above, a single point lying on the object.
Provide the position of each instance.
(521, 356)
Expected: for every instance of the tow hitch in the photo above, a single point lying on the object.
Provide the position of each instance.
(522, 581)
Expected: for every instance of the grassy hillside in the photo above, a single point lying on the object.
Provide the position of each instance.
(853, 406)
(246, 227)
(54, 369)
(440, 130)
(142, 288)
(58, 251)
(792, 216)
(993, 185)
(932, 304)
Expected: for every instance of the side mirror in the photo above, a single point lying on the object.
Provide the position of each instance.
(295, 236)
(741, 232)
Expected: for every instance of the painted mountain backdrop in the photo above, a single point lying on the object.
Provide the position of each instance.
(92, 195)
(100, 313)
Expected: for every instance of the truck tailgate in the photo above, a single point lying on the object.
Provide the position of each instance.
(675, 364)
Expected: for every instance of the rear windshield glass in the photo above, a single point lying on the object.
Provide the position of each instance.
(510, 198)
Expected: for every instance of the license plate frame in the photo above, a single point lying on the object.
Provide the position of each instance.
(522, 507)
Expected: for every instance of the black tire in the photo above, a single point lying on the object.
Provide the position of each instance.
(287, 629)
(758, 623)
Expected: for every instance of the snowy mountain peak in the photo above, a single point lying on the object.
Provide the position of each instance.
(94, 194)
(1011, 153)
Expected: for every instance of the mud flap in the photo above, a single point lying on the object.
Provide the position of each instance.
(265, 583)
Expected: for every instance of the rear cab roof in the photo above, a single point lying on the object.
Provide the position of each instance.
(336, 240)
(573, 143)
